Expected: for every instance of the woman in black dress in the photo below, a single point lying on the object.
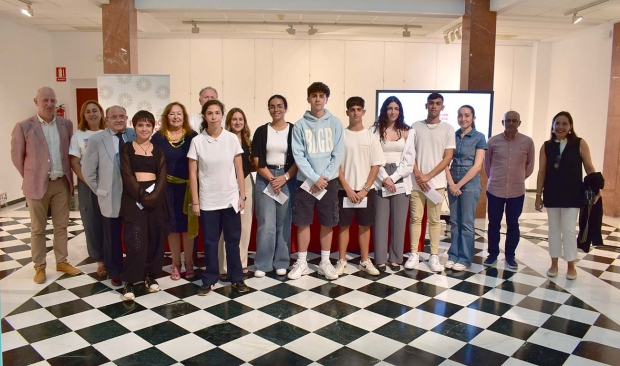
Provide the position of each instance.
(174, 138)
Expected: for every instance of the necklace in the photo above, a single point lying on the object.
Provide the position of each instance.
(143, 149)
(427, 126)
(179, 142)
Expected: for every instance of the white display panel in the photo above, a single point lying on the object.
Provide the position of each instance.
(413, 102)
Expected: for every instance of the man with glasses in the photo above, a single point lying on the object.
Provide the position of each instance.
(102, 170)
(508, 162)
(40, 152)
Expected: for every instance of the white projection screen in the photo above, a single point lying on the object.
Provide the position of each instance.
(413, 102)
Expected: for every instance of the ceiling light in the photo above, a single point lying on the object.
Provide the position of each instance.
(312, 31)
(290, 30)
(28, 10)
(446, 39)
(406, 33)
(576, 18)
(195, 29)
(452, 37)
(457, 32)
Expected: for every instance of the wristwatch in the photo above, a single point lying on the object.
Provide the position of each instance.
(367, 189)
(286, 177)
(243, 197)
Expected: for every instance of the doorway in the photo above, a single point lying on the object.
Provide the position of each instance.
(82, 95)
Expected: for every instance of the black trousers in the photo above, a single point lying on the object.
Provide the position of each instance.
(112, 246)
(145, 238)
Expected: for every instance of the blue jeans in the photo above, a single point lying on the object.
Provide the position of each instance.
(462, 218)
(514, 207)
(273, 234)
(213, 223)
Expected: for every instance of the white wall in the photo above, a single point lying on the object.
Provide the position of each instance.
(579, 83)
(26, 66)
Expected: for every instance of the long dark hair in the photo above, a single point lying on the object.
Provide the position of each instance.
(382, 121)
(473, 113)
(203, 125)
(569, 137)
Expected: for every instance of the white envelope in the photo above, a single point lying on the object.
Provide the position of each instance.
(280, 198)
(308, 184)
(346, 203)
(148, 190)
(400, 188)
(434, 196)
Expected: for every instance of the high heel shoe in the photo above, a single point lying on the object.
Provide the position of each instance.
(175, 275)
(189, 270)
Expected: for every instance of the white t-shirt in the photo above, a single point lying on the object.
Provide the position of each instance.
(277, 145)
(362, 151)
(196, 120)
(79, 141)
(430, 143)
(218, 187)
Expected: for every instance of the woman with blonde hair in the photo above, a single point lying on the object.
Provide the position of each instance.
(91, 122)
(237, 123)
(174, 138)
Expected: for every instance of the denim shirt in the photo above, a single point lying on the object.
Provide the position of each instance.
(464, 156)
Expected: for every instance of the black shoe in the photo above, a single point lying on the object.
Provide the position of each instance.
(241, 286)
(395, 267)
(381, 268)
(204, 290)
(150, 283)
(128, 294)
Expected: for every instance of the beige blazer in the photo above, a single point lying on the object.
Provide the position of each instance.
(31, 157)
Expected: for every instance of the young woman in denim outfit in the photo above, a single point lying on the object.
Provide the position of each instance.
(464, 188)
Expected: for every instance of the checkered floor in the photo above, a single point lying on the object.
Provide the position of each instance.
(480, 317)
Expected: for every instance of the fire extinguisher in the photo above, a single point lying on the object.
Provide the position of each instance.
(60, 111)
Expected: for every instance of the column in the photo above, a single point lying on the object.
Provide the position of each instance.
(611, 162)
(478, 61)
(120, 37)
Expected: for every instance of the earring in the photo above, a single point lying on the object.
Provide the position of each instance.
(569, 132)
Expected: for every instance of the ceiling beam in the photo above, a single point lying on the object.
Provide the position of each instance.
(445, 7)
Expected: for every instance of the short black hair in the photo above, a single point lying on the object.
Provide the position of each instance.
(433, 96)
(318, 87)
(278, 96)
(143, 116)
(353, 101)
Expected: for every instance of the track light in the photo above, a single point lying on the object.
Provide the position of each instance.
(406, 32)
(27, 11)
(446, 39)
(195, 29)
(576, 18)
(312, 31)
(452, 37)
(457, 32)
(290, 30)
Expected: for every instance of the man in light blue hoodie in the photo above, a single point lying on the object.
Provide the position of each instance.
(318, 147)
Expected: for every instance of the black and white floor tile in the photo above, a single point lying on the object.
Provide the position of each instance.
(483, 316)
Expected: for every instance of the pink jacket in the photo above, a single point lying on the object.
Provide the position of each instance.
(30, 154)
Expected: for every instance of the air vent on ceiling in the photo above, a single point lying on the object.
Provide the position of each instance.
(87, 28)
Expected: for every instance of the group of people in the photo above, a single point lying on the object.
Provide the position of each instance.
(158, 186)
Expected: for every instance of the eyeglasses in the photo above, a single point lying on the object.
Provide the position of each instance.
(117, 117)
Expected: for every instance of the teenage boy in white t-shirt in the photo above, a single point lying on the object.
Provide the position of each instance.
(434, 145)
(362, 158)
(317, 148)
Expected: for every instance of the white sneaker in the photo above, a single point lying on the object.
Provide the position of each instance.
(369, 268)
(340, 266)
(259, 274)
(459, 267)
(281, 272)
(412, 261)
(326, 269)
(449, 264)
(433, 261)
(299, 269)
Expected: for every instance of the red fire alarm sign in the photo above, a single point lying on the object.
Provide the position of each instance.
(61, 74)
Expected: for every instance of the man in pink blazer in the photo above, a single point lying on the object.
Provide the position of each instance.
(40, 152)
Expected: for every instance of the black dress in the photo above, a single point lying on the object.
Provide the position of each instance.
(563, 186)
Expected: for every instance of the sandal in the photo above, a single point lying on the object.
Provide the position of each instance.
(175, 275)
(395, 267)
(224, 277)
(101, 272)
(245, 271)
(189, 270)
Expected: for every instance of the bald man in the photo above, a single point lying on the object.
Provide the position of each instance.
(40, 152)
(207, 93)
(508, 162)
